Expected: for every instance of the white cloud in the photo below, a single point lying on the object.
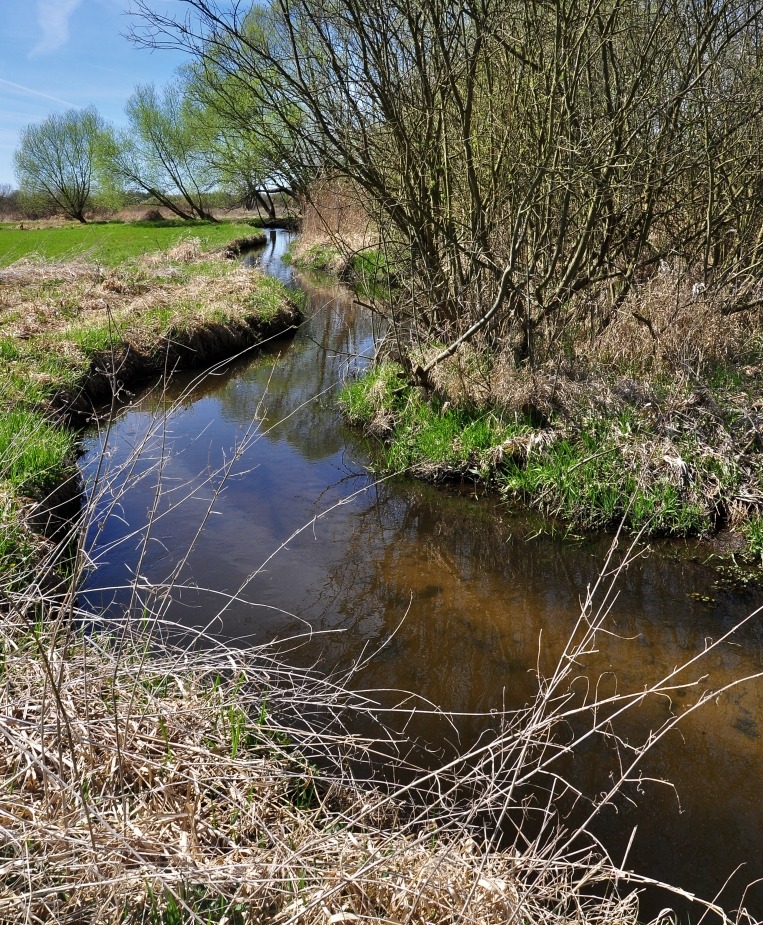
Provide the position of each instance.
(53, 18)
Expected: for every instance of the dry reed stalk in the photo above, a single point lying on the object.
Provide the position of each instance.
(333, 218)
(140, 778)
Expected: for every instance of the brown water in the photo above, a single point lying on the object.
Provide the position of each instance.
(460, 596)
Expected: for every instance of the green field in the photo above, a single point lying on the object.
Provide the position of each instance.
(110, 243)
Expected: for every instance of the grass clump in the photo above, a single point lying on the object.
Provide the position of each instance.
(607, 474)
(430, 438)
(19, 546)
(34, 455)
(752, 530)
(321, 257)
(593, 456)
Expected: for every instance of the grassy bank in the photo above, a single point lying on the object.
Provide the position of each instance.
(167, 782)
(75, 333)
(669, 457)
(109, 243)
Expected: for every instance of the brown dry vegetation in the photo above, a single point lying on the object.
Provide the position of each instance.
(656, 418)
(119, 324)
(149, 782)
(334, 226)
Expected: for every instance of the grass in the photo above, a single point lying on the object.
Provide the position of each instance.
(110, 243)
(35, 456)
(324, 258)
(752, 530)
(598, 467)
(152, 780)
(146, 781)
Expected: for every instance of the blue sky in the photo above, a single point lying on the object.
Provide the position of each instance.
(63, 54)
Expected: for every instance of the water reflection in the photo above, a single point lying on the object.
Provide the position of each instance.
(305, 539)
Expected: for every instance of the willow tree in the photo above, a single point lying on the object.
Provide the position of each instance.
(55, 160)
(532, 160)
(245, 143)
(161, 152)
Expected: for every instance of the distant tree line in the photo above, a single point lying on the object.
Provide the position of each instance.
(176, 150)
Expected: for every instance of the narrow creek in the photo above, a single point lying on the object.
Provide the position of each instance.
(303, 544)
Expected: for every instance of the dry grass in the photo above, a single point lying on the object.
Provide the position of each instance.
(682, 372)
(38, 295)
(149, 782)
(334, 226)
(669, 328)
(133, 782)
(97, 324)
(673, 323)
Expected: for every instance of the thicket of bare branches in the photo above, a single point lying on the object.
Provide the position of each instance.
(529, 163)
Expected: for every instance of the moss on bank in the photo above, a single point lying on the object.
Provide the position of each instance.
(678, 463)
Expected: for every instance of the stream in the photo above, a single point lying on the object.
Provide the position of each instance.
(463, 597)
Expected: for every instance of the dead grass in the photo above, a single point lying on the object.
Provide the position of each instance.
(75, 309)
(334, 227)
(146, 781)
(672, 323)
(659, 422)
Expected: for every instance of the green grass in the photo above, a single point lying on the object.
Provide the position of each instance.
(16, 545)
(110, 243)
(373, 272)
(361, 399)
(67, 318)
(590, 480)
(593, 474)
(752, 530)
(321, 257)
(428, 435)
(266, 298)
(34, 455)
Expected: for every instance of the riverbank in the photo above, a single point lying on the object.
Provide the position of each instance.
(212, 786)
(665, 458)
(76, 332)
(143, 762)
